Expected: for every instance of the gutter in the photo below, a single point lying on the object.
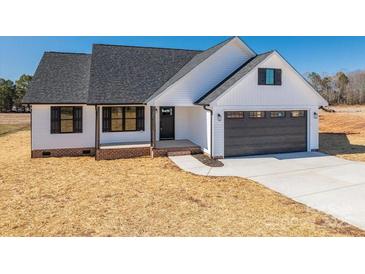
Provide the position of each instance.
(211, 129)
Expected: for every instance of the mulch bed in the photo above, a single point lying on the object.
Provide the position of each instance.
(208, 161)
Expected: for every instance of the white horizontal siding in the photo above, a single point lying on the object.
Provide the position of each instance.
(205, 76)
(41, 130)
(125, 136)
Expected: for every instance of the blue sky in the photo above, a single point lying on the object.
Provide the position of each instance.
(19, 55)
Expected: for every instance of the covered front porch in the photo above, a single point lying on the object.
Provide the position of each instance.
(109, 151)
(164, 144)
(179, 131)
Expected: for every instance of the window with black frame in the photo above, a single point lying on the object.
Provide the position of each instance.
(119, 119)
(66, 119)
(269, 77)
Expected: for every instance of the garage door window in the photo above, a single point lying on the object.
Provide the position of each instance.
(297, 113)
(256, 114)
(235, 114)
(277, 114)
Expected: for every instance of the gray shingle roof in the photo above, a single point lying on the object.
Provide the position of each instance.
(214, 93)
(113, 74)
(130, 75)
(195, 61)
(60, 78)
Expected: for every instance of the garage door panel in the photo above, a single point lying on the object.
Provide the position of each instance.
(274, 139)
(253, 132)
(264, 150)
(249, 136)
(269, 123)
(266, 147)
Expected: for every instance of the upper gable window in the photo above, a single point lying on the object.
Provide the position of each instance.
(269, 76)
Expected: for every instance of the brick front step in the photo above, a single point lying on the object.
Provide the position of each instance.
(179, 153)
(174, 151)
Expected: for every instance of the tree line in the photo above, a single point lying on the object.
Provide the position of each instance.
(340, 88)
(11, 94)
(337, 89)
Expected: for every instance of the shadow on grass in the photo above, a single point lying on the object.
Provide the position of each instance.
(7, 129)
(338, 143)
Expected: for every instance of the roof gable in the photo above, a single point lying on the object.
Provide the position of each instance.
(189, 66)
(60, 78)
(231, 79)
(125, 75)
(294, 91)
(196, 60)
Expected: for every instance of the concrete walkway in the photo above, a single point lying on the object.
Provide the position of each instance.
(327, 183)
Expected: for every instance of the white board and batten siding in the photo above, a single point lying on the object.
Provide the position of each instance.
(247, 95)
(41, 130)
(205, 76)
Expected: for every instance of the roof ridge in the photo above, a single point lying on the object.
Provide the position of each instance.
(61, 52)
(146, 47)
(220, 43)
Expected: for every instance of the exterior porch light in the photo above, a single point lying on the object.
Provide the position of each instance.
(219, 117)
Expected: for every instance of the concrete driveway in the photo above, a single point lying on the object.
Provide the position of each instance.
(327, 183)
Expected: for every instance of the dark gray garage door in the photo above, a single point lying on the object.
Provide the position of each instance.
(258, 132)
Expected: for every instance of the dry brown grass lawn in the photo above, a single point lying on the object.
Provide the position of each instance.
(14, 118)
(140, 197)
(343, 132)
(12, 122)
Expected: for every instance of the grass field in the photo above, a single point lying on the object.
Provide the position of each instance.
(12, 122)
(141, 197)
(343, 133)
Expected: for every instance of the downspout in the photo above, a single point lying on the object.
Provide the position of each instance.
(97, 129)
(211, 129)
(31, 131)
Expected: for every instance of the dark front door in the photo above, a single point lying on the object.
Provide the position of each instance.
(167, 123)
